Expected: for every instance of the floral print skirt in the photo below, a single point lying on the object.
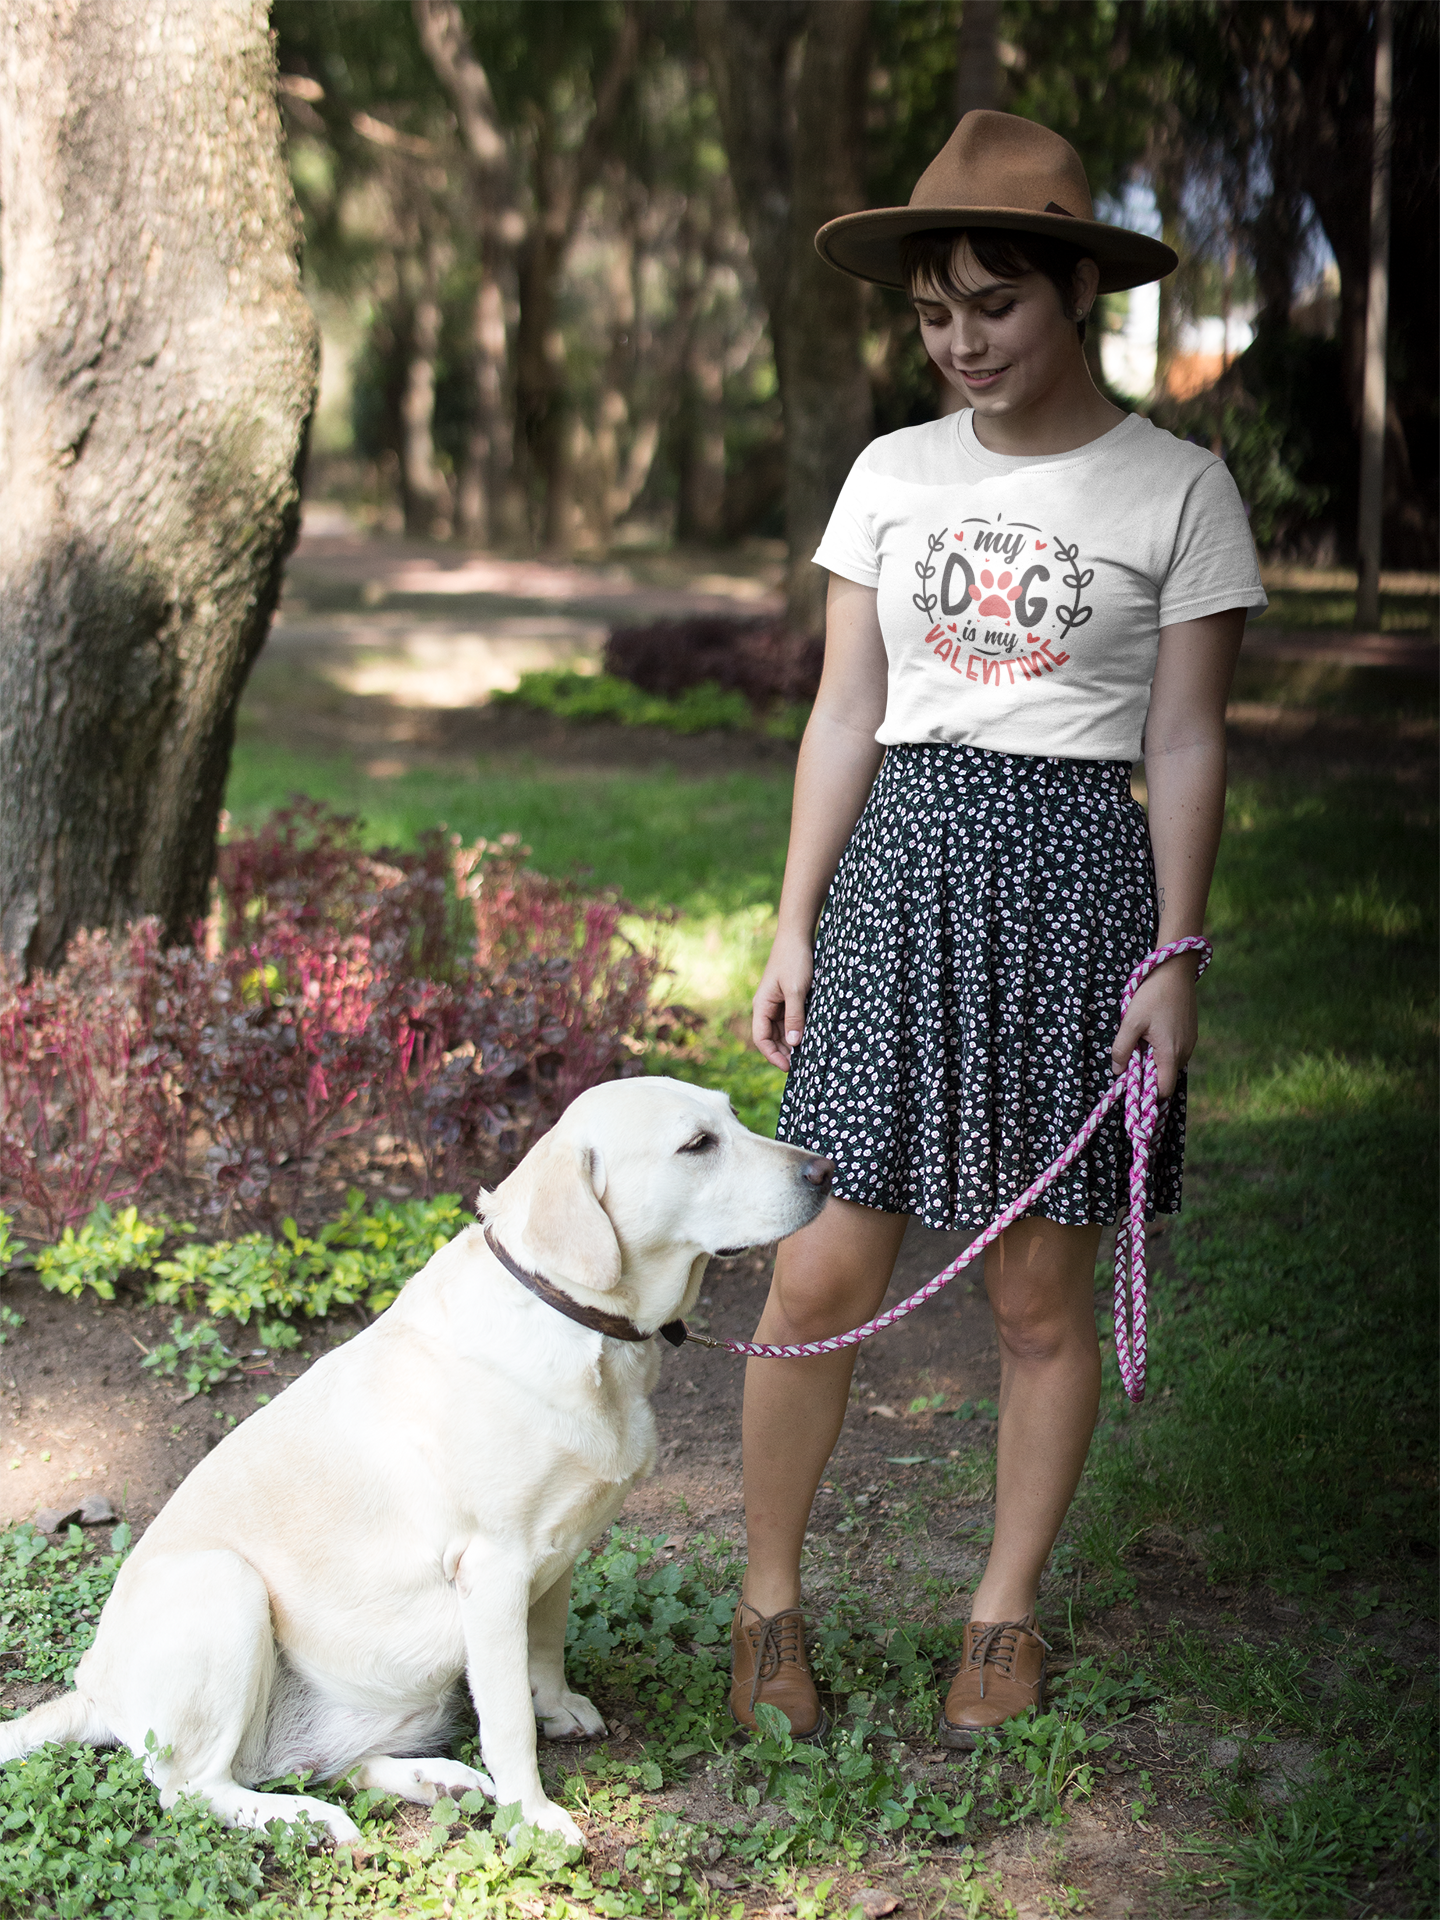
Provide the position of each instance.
(968, 967)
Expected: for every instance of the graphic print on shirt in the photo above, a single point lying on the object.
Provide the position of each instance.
(1003, 603)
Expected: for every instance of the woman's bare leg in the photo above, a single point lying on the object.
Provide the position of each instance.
(828, 1278)
(1041, 1281)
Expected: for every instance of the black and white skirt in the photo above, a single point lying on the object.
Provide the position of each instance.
(968, 967)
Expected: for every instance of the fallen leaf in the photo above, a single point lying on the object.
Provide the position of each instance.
(882, 1413)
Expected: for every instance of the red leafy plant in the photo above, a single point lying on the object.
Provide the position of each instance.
(448, 994)
(85, 1108)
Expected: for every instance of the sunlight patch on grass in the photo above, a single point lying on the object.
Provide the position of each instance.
(1327, 1084)
(717, 958)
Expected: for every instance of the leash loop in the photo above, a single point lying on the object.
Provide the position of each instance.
(1139, 1089)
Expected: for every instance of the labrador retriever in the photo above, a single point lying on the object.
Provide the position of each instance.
(409, 1510)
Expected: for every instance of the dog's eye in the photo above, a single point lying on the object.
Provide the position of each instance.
(702, 1143)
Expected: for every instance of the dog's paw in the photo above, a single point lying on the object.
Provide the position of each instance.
(424, 1781)
(240, 1807)
(552, 1819)
(569, 1717)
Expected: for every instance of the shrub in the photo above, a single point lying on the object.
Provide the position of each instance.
(448, 993)
(601, 696)
(85, 1107)
(761, 659)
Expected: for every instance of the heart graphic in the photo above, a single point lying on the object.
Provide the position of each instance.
(959, 536)
(1040, 545)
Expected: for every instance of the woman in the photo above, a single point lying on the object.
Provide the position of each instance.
(1018, 593)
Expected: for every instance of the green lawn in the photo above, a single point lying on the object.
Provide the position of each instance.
(714, 846)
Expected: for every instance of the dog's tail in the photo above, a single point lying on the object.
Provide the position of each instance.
(71, 1717)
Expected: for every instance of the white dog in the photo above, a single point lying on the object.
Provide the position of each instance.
(410, 1509)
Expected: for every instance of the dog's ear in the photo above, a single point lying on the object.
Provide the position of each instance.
(552, 1199)
(567, 1230)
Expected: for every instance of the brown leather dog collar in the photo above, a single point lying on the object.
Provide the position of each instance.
(613, 1325)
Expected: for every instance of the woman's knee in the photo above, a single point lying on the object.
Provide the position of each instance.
(1040, 1280)
(828, 1282)
(1035, 1330)
(815, 1302)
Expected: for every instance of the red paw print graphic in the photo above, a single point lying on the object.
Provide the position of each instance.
(994, 608)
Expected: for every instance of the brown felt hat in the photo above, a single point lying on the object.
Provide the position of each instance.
(996, 170)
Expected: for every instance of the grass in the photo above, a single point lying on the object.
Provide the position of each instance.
(1287, 1445)
(714, 846)
(1293, 607)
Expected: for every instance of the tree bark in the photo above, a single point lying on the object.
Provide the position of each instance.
(1332, 52)
(977, 58)
(489, 504)
(157, 374)
(829, 415)
(1369, 543)
(790, 85)
(426, 496)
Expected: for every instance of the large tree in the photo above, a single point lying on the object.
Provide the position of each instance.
(157, 374)
(789, 78)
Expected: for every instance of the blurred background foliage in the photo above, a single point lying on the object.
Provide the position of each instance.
(539, 259)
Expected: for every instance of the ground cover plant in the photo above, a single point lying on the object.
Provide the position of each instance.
(1241, 1603)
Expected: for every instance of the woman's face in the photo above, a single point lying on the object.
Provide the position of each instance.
(1007, 344)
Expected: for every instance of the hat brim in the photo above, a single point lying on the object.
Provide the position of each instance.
(867, 245)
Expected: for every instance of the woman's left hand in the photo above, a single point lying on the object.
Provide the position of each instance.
(1164, 1012)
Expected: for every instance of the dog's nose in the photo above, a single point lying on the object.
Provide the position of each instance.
(818, 1173)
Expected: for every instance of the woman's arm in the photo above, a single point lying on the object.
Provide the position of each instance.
(839, 758)
(1185, 775)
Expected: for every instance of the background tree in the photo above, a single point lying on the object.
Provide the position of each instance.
(157, 373)
(576, 241)
(790, 80)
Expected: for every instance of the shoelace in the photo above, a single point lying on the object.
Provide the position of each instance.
(992, 1647)
(778, 1641)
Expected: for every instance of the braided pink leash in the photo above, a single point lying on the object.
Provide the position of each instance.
(1139, 1088)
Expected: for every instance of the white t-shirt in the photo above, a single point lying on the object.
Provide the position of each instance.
(1021, 597)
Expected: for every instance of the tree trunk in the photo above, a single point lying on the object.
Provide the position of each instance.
(485, 476)
(157, 375)
(792, 112)
(824, 387)
(541, 442)
(1332, 54)
(977, 57)
(489, 505)
(425, 493)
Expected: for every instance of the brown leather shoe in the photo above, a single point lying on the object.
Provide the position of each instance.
(768, 1665)
(1002, 1675)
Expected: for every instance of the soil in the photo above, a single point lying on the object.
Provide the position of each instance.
(80, 1415)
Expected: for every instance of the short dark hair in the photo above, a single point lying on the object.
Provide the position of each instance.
(929, 258)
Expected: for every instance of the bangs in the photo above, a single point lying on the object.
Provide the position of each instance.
(928, 259)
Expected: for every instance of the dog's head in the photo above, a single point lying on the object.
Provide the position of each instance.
(639, 1182)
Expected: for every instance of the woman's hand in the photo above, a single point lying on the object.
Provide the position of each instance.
(779, 1017)
(1164, 1012)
